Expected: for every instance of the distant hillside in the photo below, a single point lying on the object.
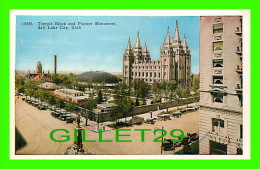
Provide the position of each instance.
(24, 72)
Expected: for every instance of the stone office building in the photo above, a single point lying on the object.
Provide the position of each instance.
(174, 63)
(221, 88)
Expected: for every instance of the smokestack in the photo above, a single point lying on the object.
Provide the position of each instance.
(55, 64)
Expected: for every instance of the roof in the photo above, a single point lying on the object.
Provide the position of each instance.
(41, 76)
(84, 97)
(97, 77)
(49, 85)
(71, 91)
(106, 105)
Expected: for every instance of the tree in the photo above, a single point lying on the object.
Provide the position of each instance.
(121, 91)
(187, 95)
(195, 83)
(103, 85)
(61, 103)
(19, 83)
(141, 89)
(99, 98)
(184, 93)
(30, 92)
(115, 112)
(31, 84)
(21, 89)
(89, 105)
(41, 95)
(157, 90)
(89, 85)
(70, 107)
(172, 86)
(51, 100)
(127, 108)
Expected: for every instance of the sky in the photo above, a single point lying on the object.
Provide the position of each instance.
(96, 47)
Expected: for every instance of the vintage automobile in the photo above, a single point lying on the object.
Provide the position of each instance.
(193, 136)
(168, 146)
(150, 120)
(176, 114)
(55, 114)
(137, 120)
(70, 119)
(64, 117)
(163, 117)
(186, 141)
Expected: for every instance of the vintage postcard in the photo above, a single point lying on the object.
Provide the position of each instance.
(130, 84)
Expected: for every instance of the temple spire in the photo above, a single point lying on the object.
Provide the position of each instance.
(128, 44)
(184, 41)
(138, 44)
(145, 47)
(168, 37)
(176, 33)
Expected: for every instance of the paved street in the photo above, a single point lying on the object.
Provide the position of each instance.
(36, 125)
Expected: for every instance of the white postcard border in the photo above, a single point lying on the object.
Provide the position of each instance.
(246, 78)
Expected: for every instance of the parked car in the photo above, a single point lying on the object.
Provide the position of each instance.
(193, 136)
(70, 119)
(164, 117)
(168, 146)
(150, 121)
(186, 141)
(176, 114)
(137, 120)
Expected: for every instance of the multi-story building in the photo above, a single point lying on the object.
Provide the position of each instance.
(221, 73)
(174, 63)
(71, 95)
(39, 74)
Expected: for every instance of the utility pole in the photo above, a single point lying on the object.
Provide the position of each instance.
(162, 142)
(156, 128)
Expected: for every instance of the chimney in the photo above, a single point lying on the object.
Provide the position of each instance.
(55, 64)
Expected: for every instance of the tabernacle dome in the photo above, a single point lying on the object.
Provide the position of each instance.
(97, 77)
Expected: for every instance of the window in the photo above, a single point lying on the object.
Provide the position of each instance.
(146, 74)
(135, 73)
(143, 74)
(239, 151)
(240, 97)
(217, 79)
(241, 131)
(217, 125)
(217, 46)
(217, 63)
(154, 74)
(151, 74)
(218, 28)
(159, 75)
(218, 98)
(218, 19)
(217, 148)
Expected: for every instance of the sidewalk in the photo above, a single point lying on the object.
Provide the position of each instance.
(93, 126)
